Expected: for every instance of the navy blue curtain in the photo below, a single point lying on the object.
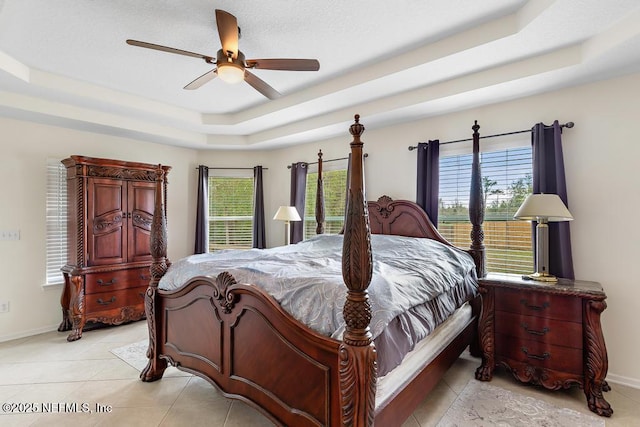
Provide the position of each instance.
(259, 235)
(202, 212)
(549, 177)
(298, 190)
(428, 178)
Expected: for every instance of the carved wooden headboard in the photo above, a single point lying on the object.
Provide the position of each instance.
(401, 218)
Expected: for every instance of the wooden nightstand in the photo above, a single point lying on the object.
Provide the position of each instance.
(546, 334)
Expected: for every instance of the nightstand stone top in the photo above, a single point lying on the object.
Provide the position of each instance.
(562, 286)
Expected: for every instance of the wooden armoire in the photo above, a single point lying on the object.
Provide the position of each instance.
(110, 208)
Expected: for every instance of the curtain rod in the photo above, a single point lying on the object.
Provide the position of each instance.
(566, 125)
(264, 169)
(330, 160)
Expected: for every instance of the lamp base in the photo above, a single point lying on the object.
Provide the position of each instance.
(541, 277)
(287, 233)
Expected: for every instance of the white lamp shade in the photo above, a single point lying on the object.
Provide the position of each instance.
(287, 213)
(548, 206)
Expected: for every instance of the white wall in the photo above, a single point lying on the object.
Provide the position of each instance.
(601, 155)
(25, 150)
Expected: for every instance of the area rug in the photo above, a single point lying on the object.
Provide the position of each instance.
(483, 405)
(134, 354)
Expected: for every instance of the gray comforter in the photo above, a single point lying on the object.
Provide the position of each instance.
(306, 278)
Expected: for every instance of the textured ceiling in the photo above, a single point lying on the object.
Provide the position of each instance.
(65, 62)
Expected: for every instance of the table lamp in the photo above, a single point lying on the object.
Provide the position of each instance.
(287, 214)
(543, 208)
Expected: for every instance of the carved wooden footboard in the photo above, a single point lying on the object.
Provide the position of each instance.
(239, 338)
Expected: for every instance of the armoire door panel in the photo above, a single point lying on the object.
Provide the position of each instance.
(107, 247)
(106, 229)
(141, 198)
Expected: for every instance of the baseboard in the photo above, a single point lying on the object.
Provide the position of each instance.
(29, 333)
(619, 379)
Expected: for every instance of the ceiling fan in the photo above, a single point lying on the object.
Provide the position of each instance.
(231, 65)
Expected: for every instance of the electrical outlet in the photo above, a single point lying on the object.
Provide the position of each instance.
(4, 306)
(10, 235)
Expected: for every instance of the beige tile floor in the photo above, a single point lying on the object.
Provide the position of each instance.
(47, 369)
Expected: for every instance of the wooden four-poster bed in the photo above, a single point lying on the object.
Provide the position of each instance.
(244, 342)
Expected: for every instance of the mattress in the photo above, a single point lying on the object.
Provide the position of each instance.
(422, 354)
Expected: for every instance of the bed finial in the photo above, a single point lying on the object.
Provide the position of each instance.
(356, 129)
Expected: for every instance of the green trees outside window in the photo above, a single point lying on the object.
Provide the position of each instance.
(230, 213)
(335, 190)
(507, 181)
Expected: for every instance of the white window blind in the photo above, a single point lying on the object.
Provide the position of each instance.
(56, 221)
(335, 187)
(230, 212)
(506, 181)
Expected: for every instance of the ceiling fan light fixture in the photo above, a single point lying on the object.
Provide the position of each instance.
(230, 62)
(231, 73)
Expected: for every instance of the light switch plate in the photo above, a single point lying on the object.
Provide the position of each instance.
(10, 235)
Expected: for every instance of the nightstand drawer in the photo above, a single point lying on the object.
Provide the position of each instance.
(540, 354)
(568, 334)
(539, 304)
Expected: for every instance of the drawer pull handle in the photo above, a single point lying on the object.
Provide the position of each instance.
(141, 294)
(544, 356)
(544, 305)
(102, 302)
(533, 331)
(109, 283)
(143, 277)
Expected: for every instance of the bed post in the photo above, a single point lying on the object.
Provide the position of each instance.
(476, 207)
(358, 370)
(320, 198)
(156, 366)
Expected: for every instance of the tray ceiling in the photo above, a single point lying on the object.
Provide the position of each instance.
(66, 63)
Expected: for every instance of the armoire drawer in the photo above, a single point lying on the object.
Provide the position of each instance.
(539, 304)
(116, 299)
(116, 280)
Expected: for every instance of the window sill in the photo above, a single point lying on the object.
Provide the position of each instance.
(52, 285)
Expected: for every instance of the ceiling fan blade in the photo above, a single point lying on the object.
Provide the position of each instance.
(170, 50)
(206, 77)
(284, 64)
(228, 31)
(260, 85)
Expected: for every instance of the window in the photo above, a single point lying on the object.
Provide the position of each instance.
(506, 181)
(230, 212)
(56, 221)
(335, 188)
